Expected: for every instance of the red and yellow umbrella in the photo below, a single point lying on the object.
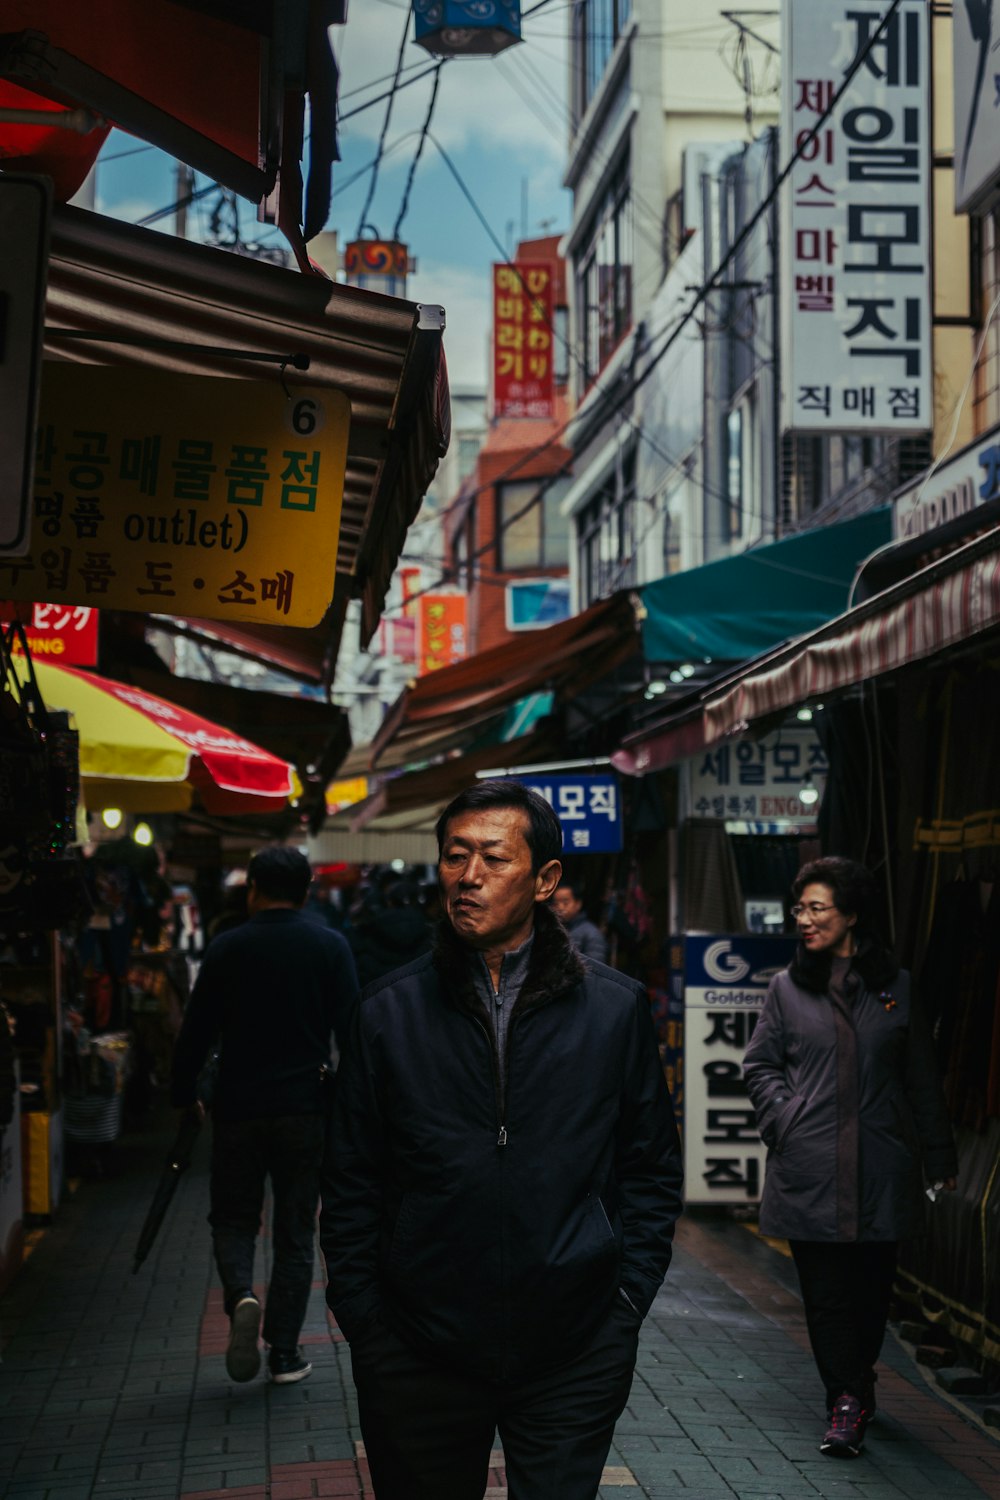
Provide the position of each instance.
(143, 754)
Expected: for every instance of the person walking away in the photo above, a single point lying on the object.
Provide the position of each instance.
(842, 1076)
(588, 940)
(502, 1183)
(270, 993)
(393, 935)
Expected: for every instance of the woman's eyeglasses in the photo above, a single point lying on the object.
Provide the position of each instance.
(814, 909)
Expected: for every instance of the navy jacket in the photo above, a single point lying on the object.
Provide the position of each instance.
(492, 1229)
(273, 991)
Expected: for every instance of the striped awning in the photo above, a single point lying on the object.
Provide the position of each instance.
(945, 604)
(940, 607)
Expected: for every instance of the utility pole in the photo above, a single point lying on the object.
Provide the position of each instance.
(184, 182)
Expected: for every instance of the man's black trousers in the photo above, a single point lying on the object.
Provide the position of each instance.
(845, 1291)
(289, 1150)
(428, 1429)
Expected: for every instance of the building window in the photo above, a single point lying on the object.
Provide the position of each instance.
(463, 549)
(735, 470)
(560, 330)
(987, 388)
(597, 25)
(604, 275)
(606, 536)
(531, 533)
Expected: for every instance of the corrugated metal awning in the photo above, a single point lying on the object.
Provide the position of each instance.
(949, 602)
(148, 290)
(940, 607)
(567, 657)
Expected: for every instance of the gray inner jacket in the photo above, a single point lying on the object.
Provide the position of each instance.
(903, 1135)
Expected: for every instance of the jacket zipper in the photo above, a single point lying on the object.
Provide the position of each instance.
(497, 1091)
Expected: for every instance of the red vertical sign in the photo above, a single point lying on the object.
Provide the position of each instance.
(523, 313)
(442, 632)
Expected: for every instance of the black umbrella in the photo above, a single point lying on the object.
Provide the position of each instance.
(178, 1159)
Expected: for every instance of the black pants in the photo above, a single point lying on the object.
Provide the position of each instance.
(428, 1429)
(289, 1150)
(846, 1290)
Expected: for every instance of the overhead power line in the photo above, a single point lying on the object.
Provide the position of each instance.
(614, 405)
(363, 220)
(419, 151)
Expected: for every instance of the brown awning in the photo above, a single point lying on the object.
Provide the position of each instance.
(567, 657)
(151, 300)
(427, 791)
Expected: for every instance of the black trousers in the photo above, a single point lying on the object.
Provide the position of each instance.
(289, 1150)
(428, 1429)
(846, 1290)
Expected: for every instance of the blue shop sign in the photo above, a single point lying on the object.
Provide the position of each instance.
(733, 971)
(588, 807)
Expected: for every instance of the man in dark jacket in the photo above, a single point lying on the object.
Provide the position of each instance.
(273, 990)
(588, 940)
(502, 1185)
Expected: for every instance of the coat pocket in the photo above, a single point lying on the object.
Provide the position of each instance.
(787, 1118)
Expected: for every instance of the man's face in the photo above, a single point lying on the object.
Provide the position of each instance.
(487, 884)
(565, 904)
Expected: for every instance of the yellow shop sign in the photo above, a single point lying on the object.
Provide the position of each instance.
(184, 495)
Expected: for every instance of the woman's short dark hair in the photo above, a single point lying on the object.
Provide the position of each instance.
(853, 886)
(543, 832)
(280, 874)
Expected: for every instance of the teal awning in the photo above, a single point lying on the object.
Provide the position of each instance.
(740, 606)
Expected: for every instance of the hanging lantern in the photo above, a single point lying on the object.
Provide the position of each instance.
(467, 28)
(377, 265)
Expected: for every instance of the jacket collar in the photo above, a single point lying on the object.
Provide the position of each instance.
(872, 963)
(554, 969)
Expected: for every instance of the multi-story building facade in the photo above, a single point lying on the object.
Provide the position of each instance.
(655, 89)
(508, 552)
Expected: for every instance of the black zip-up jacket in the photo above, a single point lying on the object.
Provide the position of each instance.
(275, 991)
(493, 1232)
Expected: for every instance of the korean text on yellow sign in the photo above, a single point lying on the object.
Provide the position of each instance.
(181, 494)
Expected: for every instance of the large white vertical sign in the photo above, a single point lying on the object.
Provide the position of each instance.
(855, 222)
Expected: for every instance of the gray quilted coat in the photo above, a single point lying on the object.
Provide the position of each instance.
(904, 1138)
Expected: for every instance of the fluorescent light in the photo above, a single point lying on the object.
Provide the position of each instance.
(143, 834)
(112, 817)
(804, 715)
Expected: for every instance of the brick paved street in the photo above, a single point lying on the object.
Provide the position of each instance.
(112, 1384)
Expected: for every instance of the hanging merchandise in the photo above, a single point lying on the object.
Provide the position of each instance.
(41, 876)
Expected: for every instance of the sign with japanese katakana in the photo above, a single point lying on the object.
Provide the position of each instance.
(588, 807)
(63, 633)
(442, 631)
(184, 495)
(856, 228)
(523, 312)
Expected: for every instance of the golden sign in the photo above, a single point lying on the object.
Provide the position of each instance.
(184, 495)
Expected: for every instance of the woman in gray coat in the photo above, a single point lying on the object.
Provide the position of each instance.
(842, 1076)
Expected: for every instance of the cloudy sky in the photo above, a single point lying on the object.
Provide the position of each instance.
(502, 122)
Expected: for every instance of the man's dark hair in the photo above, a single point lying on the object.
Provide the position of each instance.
(853, 886)
(574, 886)
(280, 874)
(543, 832)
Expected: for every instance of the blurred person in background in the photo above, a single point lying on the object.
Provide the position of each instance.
(393, 934)
(588, 940)
(273, 993)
